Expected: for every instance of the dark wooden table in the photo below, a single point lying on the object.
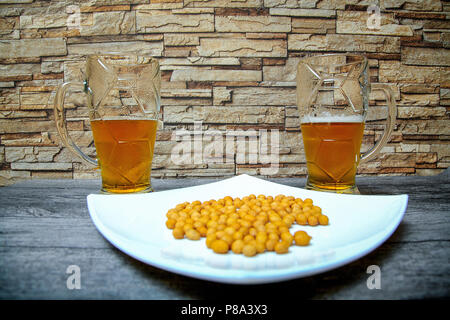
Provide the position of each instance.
(45, 228)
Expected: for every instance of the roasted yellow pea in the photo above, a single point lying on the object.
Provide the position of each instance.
(193, 234)
(287, 237)
(237, 246)
(248, 225)
(249, 250)
(178, 233)
(323, 220)
(301, 238)
(170, 223)
(220, 246)
(313, 221)
(282, 247)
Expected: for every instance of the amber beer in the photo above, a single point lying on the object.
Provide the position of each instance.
(332, 149)
(125, 153)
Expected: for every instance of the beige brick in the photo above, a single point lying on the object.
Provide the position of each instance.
(260, 96)
(158, 5)
(425, 56)
(394, 71)
(199, 61)
(9, 99)
(423, 99)
(186, 93)
(217, 47)
(192, 10)
(32, 48)
(10, 12)
(157, 21)
(178, 114)
(216, 75)
(221, 95)
(12, 126)
(325, 13)
(110, 23)
(355, 22)
(31, 154)
(419, 88)
(444, 95)
(51, 175)
(288, 72)
(428, 127)
(420, 112)
(7, 84)
(223, 3)
(18, 71)
(224, 115)
(143, 47)
(41, 166)
(13, 114)
(293, 170)
(313, 25)
(290, 3)
(341, 42)
(43, 21)
(254, 115)
(8, 28)
(52, 67)
(30, 139)
(266, 35)
(35, 98)
(252, 24)
(420, 5)
(101, 8)
(182, 39)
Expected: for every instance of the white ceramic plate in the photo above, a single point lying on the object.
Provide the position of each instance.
(135, 224)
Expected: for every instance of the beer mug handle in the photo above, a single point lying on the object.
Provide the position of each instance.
(390, 123)
(61, 124)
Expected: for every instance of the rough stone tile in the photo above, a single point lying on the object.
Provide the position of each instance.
(216, 47)
(252, 24)
(143, 47)
(260, 96)
(343, 43)
(157, 21)
(313, 25)
(395, 71)
(223, 3)
(324, 13)
(425, 56)
(110, 23)
(32, 48)
(215, 75)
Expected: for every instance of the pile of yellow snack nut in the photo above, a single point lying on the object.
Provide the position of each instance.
(249, 226)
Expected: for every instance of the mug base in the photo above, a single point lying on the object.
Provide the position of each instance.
(126, 190)
(351, 190)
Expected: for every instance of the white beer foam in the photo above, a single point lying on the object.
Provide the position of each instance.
(109, 118)
(334, 118)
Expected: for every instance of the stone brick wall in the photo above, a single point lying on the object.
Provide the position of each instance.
(228, 66)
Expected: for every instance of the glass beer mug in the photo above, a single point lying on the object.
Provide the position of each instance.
(123, 99)
(333, 99)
